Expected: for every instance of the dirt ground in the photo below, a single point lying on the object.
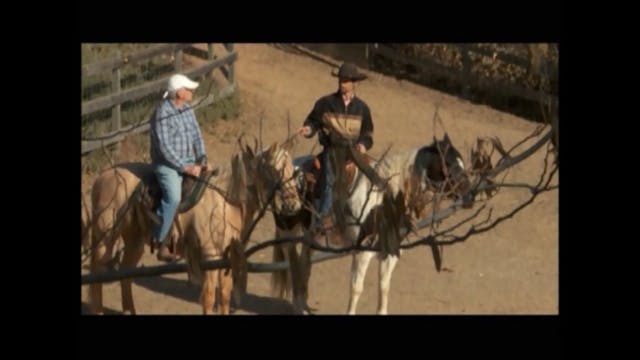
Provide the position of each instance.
(512, 269)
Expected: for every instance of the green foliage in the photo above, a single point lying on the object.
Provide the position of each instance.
(226, 109)
(96, 161)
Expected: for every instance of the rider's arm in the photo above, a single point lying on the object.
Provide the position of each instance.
(314, 119)
(366, 129)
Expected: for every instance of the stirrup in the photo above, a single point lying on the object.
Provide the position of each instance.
(325, 224)
(168, 256)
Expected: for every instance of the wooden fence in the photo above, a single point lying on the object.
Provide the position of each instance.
(464, 76)
(118, 96)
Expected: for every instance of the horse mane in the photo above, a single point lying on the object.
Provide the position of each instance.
(231, 181)
(396, 168)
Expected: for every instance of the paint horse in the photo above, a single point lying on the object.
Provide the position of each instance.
(413, 177)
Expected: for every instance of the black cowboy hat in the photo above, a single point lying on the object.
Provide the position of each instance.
(349, 71)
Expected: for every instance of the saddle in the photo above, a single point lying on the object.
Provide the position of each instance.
(150, 194)
(314, 181)
(331, 231)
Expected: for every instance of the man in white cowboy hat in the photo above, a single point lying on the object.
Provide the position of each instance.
(340, 107)
(176, 147)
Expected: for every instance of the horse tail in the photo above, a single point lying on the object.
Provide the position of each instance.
(192, 256)
(193, 264)
(138, 215)
(280, 280)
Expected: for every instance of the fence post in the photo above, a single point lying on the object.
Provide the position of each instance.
(366, 55)
(210, 56)
(231, 76)
(116, 114)
(466, 70)
(372, 52)
(177, 55)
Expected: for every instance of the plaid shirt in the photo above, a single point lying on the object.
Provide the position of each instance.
(175, 136)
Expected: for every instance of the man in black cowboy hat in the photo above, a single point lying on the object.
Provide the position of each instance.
(339, 107)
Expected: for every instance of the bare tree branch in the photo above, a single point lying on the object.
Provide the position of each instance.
(523, 155)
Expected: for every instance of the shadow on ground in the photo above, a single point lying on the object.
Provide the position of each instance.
(180, 289)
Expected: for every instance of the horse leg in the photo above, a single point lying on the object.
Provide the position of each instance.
(226, 286)
(133, 251)
(359, 265)
(280, 280)
(296, 279)
(208, 295)
(305, 266)
(100, 256)
(386, 269)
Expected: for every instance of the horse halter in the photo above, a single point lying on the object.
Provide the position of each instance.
(445, 172)
(266, 170)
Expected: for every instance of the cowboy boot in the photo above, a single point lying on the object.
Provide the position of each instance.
(327, 223)
(326, 234)
(164, 254)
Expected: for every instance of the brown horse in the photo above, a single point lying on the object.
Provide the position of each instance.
(204, 232)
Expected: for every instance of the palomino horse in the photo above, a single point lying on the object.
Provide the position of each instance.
(411, 175)
(205, 232)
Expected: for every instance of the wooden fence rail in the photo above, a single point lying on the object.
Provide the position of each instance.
(119, 61)
(119, 135)
(115, 275)
(118, 96)
(149, 87)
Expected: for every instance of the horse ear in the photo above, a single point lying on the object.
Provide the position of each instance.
(249, 151)
(287, 144)
(446, 138)
(272, 148)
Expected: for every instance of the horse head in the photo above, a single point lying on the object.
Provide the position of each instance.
(275, 170)
(440, 166)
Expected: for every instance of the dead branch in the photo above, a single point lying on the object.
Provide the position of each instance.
(115, 275)
(482, 185)
(542, 186)
(436, 238)
(260, 133)
(248, 230)
(474, 230)
(330, 253)
(507, 163)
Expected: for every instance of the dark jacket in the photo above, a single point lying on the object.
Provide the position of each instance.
(333, 103)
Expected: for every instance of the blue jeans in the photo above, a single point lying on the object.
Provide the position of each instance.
(171, 185)
(329, 179)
